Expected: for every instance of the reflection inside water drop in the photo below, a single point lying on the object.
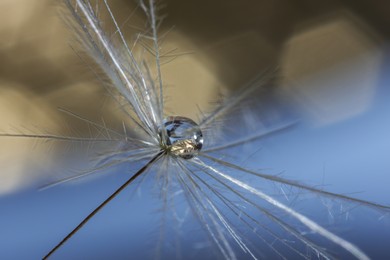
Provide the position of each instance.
(183, 137)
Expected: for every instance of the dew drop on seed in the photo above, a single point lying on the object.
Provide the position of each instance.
(184, 137)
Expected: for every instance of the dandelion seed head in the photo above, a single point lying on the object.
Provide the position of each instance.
(184, 137)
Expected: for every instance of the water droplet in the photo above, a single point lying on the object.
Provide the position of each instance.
(184, 137)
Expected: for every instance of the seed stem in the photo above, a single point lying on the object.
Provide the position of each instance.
(104, 203)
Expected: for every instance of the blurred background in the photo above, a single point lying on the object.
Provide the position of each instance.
(331, 60)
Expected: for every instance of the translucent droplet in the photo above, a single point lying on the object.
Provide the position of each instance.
(183, 137)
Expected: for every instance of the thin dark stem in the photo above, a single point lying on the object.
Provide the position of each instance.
(104, 203)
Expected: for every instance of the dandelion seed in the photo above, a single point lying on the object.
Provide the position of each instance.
(184, 160)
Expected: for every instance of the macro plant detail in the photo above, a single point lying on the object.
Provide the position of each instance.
(187, 157)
